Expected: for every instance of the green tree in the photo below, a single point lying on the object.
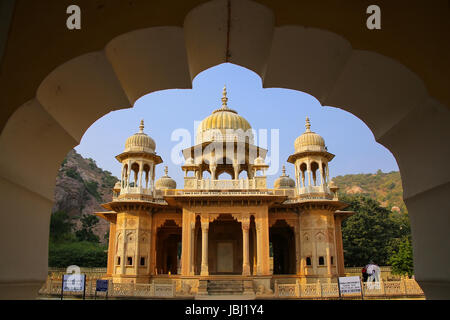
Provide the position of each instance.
(88, 222)
(92, 188)
(60, 226)
(83, 254)
(73, 173)
(402, 260)
(372, 233)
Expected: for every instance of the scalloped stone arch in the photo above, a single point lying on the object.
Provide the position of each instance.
(383, 93)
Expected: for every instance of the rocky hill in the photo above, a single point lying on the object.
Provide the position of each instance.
(386, 188)
(81, 187)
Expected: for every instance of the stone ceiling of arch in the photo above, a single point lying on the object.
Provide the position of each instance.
(414, 33)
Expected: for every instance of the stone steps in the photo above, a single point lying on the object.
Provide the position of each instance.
(225, 287)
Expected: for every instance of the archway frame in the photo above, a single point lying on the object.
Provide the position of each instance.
(388, 97)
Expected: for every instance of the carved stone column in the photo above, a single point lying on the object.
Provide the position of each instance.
(141, 171)
(236, 168)
(192, 260)
(111, 249)
(328, 259)
(128, 173)
(339, 246)
(137, 252)
(205, 268)
(322, 180)
(124, 244)
(297, 249)
(308, 168)
(185, 242)
(258, 249)
(245, 247)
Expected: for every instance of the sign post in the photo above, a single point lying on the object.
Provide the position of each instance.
(101, 286)
(349, 285)
(74, 282)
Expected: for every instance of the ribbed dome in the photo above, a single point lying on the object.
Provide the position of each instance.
(284, 182)
(189, 162)
(140, 142)
(259, 161)
(221, 119)
(165, 182)
(309, 141)
(117, 186)
(225, 119)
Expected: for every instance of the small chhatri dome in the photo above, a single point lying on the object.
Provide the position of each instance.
(309, 141)
(140, 142)
(284, 182)
(165, 182)
(189, 162)
(259, 161)
(117, 186)
(221, 119)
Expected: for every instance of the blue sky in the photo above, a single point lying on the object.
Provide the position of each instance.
(166, 111)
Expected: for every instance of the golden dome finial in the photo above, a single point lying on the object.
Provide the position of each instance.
(308, 125)
(141, 126)
(224, 97)
(166, 170)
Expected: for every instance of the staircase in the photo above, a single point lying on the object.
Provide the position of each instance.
(225, 287)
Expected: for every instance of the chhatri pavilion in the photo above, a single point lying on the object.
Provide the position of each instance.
(237, 230)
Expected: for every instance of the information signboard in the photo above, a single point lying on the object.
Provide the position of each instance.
(101, 286)
(349, 285)
(74, 282)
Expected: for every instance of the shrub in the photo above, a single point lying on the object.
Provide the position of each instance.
(82, 254)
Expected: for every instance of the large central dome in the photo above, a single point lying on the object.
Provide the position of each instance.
(221, 123)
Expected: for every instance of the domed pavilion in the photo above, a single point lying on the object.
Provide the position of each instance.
(225, 223)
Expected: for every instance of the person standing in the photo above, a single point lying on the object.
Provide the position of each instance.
(364, 274)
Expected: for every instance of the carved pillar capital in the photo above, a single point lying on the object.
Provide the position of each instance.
(245, 221)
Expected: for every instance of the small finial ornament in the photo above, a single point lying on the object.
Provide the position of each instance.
(141, 127)
(284, 170)
(224, 98)
(308, 125)
(166, 170)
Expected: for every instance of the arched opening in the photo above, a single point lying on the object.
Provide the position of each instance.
(125, 176)
(314, 167)
(168, 248)
(243, 174)
(135, 176)
(206, 174)
(303, 173)
(147, 175)
(225, 175)
(197, 246)
(225, 246)
(282, 238)
(399, 110)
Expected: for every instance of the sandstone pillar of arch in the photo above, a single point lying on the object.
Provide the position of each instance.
(245, 246)
(204, 266)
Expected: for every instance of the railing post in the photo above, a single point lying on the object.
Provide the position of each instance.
(403, 286)
(276, 288)
(319, 288)
(49, 285)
